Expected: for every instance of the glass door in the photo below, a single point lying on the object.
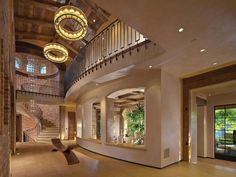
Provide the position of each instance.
(225, 132)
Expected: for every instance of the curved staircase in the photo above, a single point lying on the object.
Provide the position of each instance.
(47, 134)
(46, 130)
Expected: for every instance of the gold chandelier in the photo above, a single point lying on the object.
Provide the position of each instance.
(55, 52)
(74, 13)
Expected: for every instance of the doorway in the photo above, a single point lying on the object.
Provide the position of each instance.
(19, 131)
(225, 132)
(71, 126)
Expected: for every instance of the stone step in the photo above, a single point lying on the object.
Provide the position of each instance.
(45, 142)
(46, 138)
(49, 131)
(47, 134)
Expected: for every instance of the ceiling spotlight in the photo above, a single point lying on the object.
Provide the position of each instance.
(214, 64)
(181, 30)
(202, 50)
(150, 66)
(94, 20)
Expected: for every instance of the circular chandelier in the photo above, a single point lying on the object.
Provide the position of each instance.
(70, 13)
(55, 52)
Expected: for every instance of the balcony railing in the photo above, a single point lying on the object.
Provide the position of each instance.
(44, 89)
(112, 41)
(40, 86)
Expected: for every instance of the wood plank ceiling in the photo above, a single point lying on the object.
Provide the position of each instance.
(34, 26)
(129, 99)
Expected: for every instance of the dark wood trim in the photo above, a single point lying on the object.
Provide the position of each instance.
(213, 77)
(34, 21)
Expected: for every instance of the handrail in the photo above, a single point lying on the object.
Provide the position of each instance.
(43, 94)
(39, 85)
(28, 133)
(28, 137)
(112, 41)
(46, 89)
(34, 109)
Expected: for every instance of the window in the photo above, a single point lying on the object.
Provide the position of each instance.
(96, 119)
(30, 67)
(17, 63)
(126, 124)
(43, 69)
(225, 132)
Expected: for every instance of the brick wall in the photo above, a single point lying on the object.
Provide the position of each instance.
(37, 62)
(51, 113)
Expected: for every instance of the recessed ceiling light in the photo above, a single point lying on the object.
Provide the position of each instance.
(214, 63)
(181, 30)
(202, 50)
(94, 20)
(150, 66)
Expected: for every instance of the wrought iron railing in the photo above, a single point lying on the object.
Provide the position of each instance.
(32, 108)
(44, 89)
(36, 85)
(32, 133)
(112, 41)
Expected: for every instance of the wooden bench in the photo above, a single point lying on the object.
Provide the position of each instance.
(66, 150)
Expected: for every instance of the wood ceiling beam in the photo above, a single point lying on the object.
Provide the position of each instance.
(30, 35)
(67, 45)
(34, 21)
(42, 4)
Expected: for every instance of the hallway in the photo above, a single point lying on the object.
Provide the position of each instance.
(37, 160)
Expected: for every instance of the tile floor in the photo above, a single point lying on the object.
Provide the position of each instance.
(37, 160)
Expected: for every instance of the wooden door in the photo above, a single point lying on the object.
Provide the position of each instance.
(19, 128)
(71, 125)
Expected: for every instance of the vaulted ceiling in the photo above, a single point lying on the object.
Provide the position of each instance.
(34, 24)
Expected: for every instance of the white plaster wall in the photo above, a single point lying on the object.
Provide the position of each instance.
(171, 95)
(162, 113)
(151, 155)
(222, 99)
(86, 117)
(201, 131)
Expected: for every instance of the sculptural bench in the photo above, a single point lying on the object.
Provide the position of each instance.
(66, 150)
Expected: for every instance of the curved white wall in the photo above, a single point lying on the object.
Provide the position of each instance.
(162, 118)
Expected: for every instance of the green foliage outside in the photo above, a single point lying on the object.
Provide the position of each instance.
(225, 119)
(135, 120)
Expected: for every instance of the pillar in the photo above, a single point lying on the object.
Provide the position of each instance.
(6, 85)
